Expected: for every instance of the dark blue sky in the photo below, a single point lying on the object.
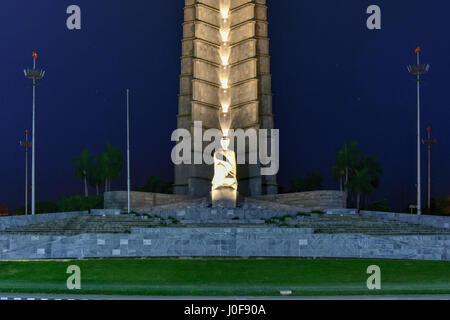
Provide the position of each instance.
(334, 81)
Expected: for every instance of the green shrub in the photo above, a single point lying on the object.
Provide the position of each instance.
(301, 214)
(156, 185)
(174, 220)
(80, 203)
(42, 207)
(318, 211)
(273, 220)
(283, 218)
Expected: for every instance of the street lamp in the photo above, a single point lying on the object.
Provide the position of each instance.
(34, 74)
(418, 70)
(26, 144)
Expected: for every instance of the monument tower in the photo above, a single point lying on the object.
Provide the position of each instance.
(224, 38)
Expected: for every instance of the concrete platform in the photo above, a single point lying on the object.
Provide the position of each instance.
(226, 235)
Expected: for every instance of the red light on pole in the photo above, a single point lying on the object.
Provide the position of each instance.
(34, 75)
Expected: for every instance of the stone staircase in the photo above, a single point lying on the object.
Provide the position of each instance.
(87, 224)
(320, 223)
(353, 223)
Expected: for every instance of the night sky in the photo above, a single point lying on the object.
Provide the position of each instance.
(334, 81)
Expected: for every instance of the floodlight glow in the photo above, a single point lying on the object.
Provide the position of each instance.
(224, 83)
(225, 99)
(225, 34)
(224, 76)
(225, 8)
(225, 13)
(225, 52)
(225, 121)
(225, 24)
(225, 29)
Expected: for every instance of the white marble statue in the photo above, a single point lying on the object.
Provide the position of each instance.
(224, 167)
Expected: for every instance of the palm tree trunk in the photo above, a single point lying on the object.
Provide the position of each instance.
(106, 185)
(346, 176)
(358, 199)
(346, 186)
(96, 186)
(86, 191)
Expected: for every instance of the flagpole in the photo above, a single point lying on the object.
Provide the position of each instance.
(419, 187)
(128, 150)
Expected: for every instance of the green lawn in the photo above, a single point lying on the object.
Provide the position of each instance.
(254, 277)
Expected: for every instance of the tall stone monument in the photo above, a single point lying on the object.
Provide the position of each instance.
(237, 49)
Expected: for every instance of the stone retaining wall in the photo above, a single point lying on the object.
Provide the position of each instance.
(21, 221)
(217, 214)
(427, 220)
(315, 200)
(139, 200)
(224, 242)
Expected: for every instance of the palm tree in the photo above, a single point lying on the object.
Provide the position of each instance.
(347, 160)
(111, 163)
(351, 166)
(361, 182)
(95, 176)
(374, 170)
(154, 184)
(82, 165)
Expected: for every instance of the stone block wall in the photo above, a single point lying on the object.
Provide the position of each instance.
(316, 200)
(224, 242)
(141, 200)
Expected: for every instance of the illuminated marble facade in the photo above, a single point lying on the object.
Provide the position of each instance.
(209, 67)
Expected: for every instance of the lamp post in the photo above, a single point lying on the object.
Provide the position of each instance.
(34, 74)
(429, 142)
(417, 70)
(26, 144)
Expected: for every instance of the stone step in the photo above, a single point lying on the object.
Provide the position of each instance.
(332, 224)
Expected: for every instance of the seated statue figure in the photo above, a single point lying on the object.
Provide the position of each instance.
(224, 167)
